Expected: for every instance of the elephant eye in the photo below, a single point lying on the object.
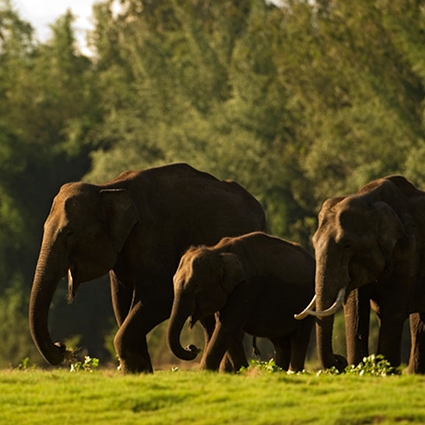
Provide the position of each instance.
(345, 243)
(67, 233)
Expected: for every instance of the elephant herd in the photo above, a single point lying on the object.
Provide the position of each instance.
(179, 243)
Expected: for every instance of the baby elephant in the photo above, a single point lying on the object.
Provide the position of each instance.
(254, 283)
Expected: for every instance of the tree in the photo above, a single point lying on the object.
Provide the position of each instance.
(297, 103)
(47, 114)
(359, 96)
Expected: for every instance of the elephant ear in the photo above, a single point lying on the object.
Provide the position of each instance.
(390, 229)
(233, 272)
(119, 215)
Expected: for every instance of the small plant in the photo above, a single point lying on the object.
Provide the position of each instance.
(331, 371)
(269, 367)
(88, 365)
(261, 367)
(374, 365)
(26, 364)
(72, 359)
(70, 355)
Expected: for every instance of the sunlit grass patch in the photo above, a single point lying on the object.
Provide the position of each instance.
(205, 398)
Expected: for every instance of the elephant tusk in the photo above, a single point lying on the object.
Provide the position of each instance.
(307, 311)
(333, 308)
(71, 287)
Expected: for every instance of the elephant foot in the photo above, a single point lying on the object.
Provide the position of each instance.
(334, 361)
(340, 362)
(227, 365)
(135, 364)
(416, 367)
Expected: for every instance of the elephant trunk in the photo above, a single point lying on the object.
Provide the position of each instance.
(182, 309)
(326, 294)
(324, 327)
(43, 289)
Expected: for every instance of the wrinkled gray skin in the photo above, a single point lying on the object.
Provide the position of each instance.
(372, 244)
(253, 283)
(135, 227)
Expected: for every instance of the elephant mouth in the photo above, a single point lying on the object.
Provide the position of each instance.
(193, 320)
(196, 315)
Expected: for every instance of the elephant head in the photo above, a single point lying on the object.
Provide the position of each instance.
(354, 244)
(202, 283)
(86, 229)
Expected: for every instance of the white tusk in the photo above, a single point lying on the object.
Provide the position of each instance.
(333, 308)
(71, 289)
(308, 310)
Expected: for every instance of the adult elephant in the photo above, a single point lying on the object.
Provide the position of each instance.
(370, 247)
(254, 283)
(136, 227)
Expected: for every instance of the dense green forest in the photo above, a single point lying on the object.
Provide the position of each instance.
(297, 102)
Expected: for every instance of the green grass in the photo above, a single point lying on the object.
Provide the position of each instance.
(195, 398)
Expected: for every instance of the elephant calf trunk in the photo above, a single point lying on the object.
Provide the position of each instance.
(189, 353)
(179, 315)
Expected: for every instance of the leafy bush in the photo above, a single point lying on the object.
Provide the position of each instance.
(374, 365)
(76, 365)
(26, 364)
(261, 367)
(87, 365)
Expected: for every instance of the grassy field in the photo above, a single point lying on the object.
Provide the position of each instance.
(195, 398)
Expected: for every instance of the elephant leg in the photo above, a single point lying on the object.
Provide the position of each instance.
(357, 323)
(417, 351)
(282, 348)
(130, 340)
(122, 297)
(208, 324)
(220, 342)
(299, 342)
(390, 334)
(235, 356)
(130, 343)
(392, 309)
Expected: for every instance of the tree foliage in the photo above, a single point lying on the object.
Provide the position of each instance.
(297, 102)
